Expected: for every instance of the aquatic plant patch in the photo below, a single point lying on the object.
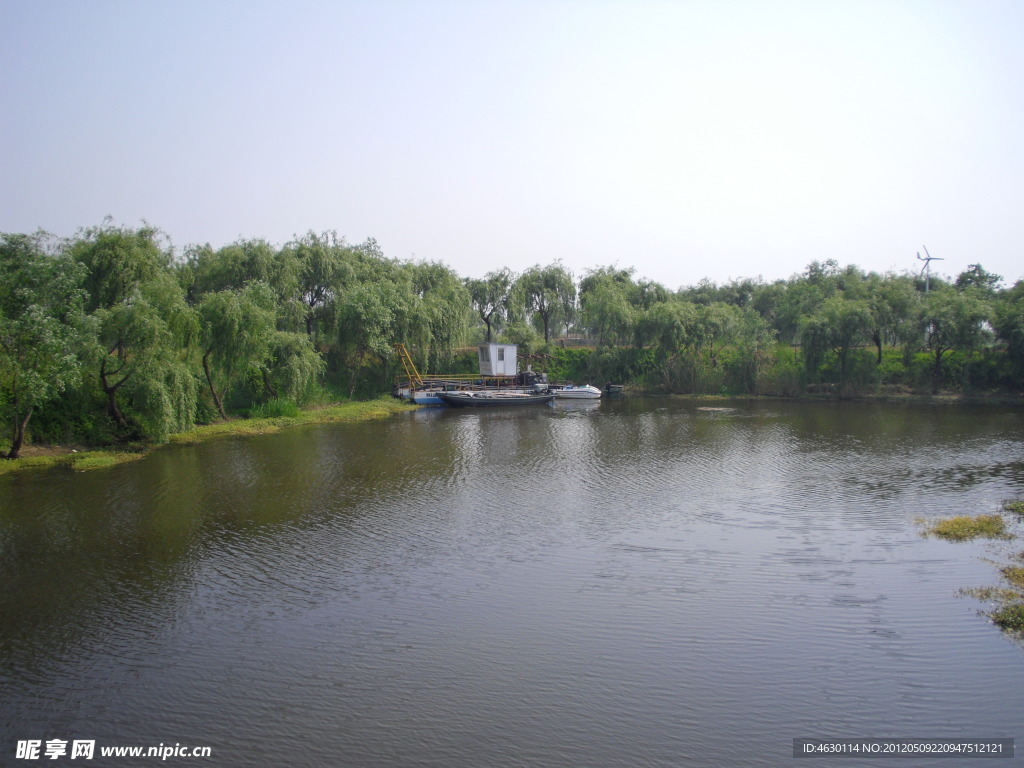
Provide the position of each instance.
(1015, 575)
(1014, 507)
(1009, 617)
(965, 527)
(1008, 614)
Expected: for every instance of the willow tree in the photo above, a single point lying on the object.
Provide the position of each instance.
(608, 310)
(118, 260)
(548, 293)
(952, 320)
(839, 324)
(42, 328)
(369, 321)
(441, 307)
(716, 325)
(144, 345)
(490, 298)
(241, 263)
(1009, 326)
(145, 327)
(238, 333)
(755, 342)
(893, 300)
(668, 325)
(292, 367)
(323, 266)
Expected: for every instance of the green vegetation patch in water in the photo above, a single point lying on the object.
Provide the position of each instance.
(1015, 575)
(990, 594)
(1014, 507)
(1009, 617)
(965, 527)
(1009, 612)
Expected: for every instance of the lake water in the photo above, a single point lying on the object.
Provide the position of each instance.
(641, 582)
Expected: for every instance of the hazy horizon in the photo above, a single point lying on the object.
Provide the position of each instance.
(685, 140)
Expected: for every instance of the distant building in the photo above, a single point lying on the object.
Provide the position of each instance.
(497, 359)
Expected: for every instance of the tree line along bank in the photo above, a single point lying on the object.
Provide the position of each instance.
(112, 336)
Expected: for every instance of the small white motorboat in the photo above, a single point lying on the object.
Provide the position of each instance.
(583, 392)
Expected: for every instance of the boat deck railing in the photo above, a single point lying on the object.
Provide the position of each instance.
(468, 381)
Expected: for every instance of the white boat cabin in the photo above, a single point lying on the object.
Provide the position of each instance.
(497, 359)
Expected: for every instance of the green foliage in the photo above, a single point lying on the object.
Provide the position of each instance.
(668, 325)
(324, 265)
(976, 277)
(568, 364)
(522, 334)
(892, 370)
(952, 320)
(608, 298)
(293, 366)
(858, 375)
(838, 324)
(785, 376)
(42, 330)
(491, 299)
(237, 335)
(717, 324)
(441, 314)
(276, 408)
(117, 261)
(549, 294)
(1009, 325)
(111, 320)
(77, 417)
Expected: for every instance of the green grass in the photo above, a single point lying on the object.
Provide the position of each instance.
(81, 461)
(102, 459)
(274, 409)
(28, 462)
(89, 460)
(339, 412)
(965, 527)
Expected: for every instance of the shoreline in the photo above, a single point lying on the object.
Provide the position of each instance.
(81, 459)
(84, 459)
(913, 398)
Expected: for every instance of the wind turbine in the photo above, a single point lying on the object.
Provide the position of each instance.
(926, 269)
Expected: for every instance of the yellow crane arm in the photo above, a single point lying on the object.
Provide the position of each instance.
(410, 367)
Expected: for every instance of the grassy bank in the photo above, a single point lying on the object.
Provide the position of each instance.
(85, 460)
(351, 411)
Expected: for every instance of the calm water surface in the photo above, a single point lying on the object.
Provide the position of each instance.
(630, 583)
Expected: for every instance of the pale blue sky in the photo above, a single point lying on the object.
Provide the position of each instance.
(686, 139)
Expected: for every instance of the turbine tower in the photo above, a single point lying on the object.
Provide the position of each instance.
(926, 269)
